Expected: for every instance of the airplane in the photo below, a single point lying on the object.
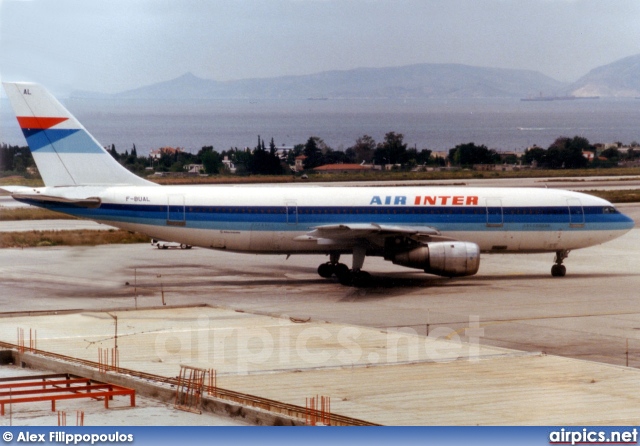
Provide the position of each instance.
(440, 230)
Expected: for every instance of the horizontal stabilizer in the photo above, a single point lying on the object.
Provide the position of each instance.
(90, 202)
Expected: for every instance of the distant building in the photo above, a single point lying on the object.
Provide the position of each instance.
(228, 165)
(194, 168)
(283, 152)
(157, 154)
(299, 167)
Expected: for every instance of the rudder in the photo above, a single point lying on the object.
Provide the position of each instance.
(65, 153)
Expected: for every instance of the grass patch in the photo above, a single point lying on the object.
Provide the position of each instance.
(17, 180)
(617, 196)
(32, 239)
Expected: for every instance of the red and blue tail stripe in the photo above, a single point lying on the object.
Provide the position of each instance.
(41, 134)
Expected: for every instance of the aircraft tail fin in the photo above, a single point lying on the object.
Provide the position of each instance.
(65, 153)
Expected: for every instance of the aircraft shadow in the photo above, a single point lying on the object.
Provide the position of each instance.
(381, 286)
(542, 276)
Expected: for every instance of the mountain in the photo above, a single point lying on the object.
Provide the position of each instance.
(618, 79)
(413, 81)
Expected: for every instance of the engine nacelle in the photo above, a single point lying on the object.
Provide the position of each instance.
(450, 259)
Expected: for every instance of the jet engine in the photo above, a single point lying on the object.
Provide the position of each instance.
(449, 259)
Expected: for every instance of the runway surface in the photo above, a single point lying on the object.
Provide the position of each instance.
(589, 314)
(52, 225)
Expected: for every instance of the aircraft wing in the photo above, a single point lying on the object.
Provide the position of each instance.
(353, 232)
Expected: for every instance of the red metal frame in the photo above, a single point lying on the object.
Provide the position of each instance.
(60, 386)
(189, 388)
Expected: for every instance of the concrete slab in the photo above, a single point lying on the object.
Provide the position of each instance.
(385, 377)
(531, 390)
(159, 341)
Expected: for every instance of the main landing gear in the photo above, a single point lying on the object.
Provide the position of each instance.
(346, 276)
(559, 270)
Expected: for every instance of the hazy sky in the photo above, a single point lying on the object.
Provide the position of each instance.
(115, 45)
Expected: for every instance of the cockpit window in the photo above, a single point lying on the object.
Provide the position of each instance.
(609, 210)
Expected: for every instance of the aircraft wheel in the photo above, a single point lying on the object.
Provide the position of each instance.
(343, 273)
(558, 270)
(326, 270)
(361, 279)
(346, 279)
(341, 270)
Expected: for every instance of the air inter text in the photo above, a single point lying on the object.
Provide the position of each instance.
(425, 200)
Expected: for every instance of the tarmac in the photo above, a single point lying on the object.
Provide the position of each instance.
(550, 350)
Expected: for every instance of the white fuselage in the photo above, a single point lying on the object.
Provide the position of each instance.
(272, 219)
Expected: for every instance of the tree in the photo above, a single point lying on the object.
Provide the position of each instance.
(469, 155)
(335, 157)
(265, 162)
(211, 160)
(535, 154)
(298, 150)
(114, 152)
(392, 151)
(418, 158)
(272, 147)
(566, 153)
(612, 154)
(363, 149)
(312, 150)
(242, 159)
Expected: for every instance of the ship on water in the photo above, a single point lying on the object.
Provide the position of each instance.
(557, 98)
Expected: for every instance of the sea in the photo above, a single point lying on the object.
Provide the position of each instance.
(436, 124)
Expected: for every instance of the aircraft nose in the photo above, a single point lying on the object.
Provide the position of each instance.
(626, 222)
(629, 220)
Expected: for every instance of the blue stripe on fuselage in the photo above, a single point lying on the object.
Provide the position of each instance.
(472, 218)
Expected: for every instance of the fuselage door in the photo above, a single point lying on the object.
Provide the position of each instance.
(292, 212)
(576, 213)
(175, 210)
(494, 213)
